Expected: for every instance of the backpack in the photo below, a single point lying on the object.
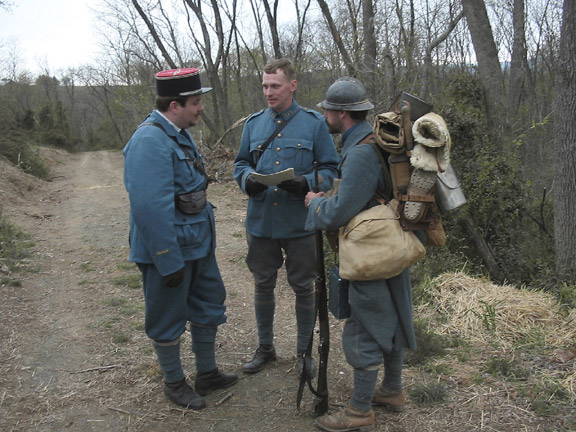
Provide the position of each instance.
(418, 143)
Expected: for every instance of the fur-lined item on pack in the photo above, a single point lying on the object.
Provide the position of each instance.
(433, 143)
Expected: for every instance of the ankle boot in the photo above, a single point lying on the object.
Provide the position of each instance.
(391, 400)
(182, 394)
(206, 382)
(347, 419)
(264, 354)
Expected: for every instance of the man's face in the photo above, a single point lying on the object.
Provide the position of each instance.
(278, 90)
(334, 121)
(187, 116)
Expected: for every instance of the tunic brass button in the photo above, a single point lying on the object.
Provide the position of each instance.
(299, 145)
(279, 135)
(277, 163)
(259, 146)
(278, 148)
(278, 121)
(275, 189)
(275, 204)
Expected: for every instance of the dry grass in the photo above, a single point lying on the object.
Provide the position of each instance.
(482, 311)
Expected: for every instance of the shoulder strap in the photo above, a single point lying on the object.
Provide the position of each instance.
(388, 192)
(194, 161)
(275, 134)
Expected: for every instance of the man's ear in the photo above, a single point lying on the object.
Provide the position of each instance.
(174, 107)
(294, 85)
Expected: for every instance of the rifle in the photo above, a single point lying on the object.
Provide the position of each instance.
(321, 311)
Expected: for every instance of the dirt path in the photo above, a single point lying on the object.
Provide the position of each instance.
(74, 356)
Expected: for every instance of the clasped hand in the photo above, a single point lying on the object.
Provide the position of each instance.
(310, 196)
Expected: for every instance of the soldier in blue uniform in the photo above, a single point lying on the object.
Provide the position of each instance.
(172, 237)
(380, 326)
(276, 214)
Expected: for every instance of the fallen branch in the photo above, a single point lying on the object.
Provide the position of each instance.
(100, 368)
(224, 399)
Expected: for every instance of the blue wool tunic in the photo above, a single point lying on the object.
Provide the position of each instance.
(276, 213)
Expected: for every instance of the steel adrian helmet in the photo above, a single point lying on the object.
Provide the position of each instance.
(346, 94)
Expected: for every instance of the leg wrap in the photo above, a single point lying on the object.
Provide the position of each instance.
(169, 359)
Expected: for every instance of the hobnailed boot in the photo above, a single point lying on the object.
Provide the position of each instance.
(182, 394)
(264, 354)
(421, 185)
(206, 382)
(347, 419)
(391, 400)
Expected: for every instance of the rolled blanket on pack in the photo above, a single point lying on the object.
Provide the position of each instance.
(432, 143)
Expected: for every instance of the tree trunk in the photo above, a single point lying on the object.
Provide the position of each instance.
(272, 22)
(489, 69)
(565, 142)
(369, 72)
(167, 58)
(337, 39)
(518, 60)
(494, 271)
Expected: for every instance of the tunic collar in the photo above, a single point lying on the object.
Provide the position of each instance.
(169, 121)
(354, 135)
(285, 115)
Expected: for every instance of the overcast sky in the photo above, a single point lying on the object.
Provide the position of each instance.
(53, 33)
(57, 34)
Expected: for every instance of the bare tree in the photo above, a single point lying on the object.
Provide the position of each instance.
(565, 145)
(431, 46)
(489, 69)
(213, 58)
(337, 39)
(519, 63)
(370, 48)
(272, 16)
(157, 39)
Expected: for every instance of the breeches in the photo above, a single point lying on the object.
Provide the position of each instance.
(199, 299)
(265, 258)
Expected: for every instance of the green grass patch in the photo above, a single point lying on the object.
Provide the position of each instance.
(428, 393)
(120, 338)
(132, 281)
(87, 267)
(501, 367)
(429, 344)
(15, 246)
(126, 265)
(115, 301)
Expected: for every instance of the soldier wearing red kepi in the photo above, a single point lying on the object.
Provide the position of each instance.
(173, 238)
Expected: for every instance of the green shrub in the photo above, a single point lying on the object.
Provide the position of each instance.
(505, 368)
(16, 148)
(429, 344)
(15, 246)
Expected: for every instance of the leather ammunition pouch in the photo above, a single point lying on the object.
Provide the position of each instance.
(192, 202)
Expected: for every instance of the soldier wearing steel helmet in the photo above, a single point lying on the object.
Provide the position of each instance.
(380, 324)
(173, 239)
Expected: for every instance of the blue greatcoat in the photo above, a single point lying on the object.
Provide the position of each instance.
(276, 213)
(156, 170)
(371, 302)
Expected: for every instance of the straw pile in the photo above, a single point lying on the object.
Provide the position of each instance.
(481, 311)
